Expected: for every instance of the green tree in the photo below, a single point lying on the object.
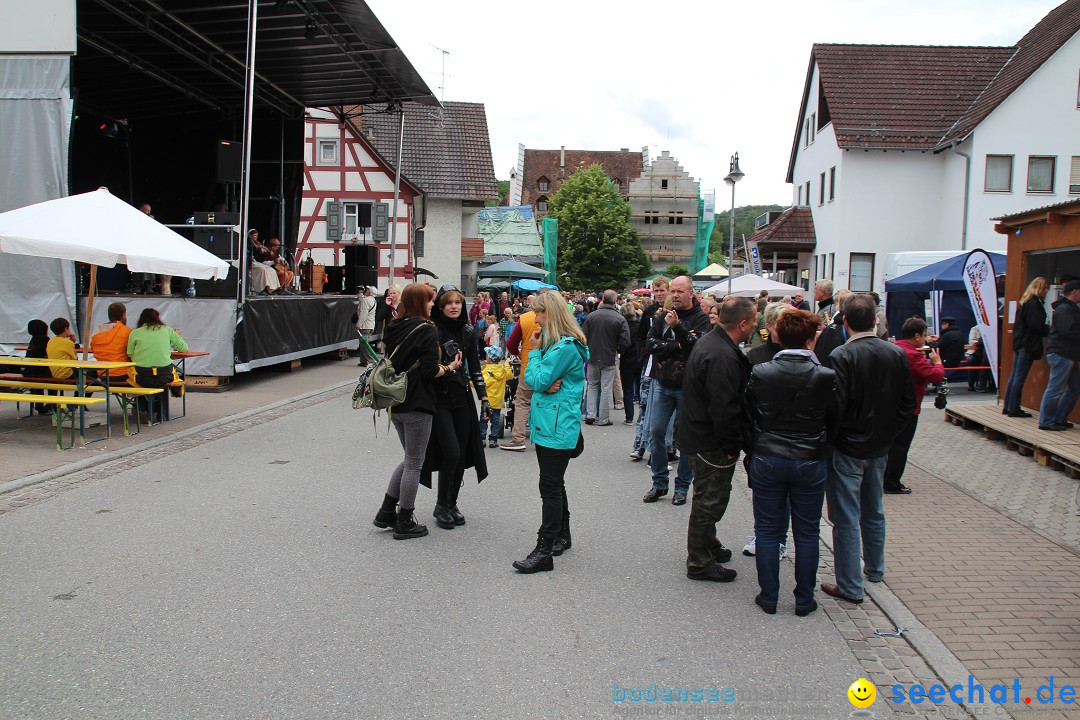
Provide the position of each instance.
(504, 193)
(744, 225)
(677, 270)
(598, 246)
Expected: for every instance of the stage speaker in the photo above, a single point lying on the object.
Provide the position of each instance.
(230, 161)
(214, 288)
(355, 277)
(364, 218)
(360, 256)
(335, 276)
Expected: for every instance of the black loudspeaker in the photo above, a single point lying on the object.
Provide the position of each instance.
(364, 219)
(215, 288)
(335, 276)
(355, 277)
(230, 161)
(360, 256)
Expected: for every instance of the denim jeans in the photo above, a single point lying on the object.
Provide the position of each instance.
(1020, 368)
(496, 424)
(598, 400)
(781, 484)
(712, 492)
(641, 431)
(414, 431)
(630, 377)
(664, 402)
(853, 491)
(1062, 390)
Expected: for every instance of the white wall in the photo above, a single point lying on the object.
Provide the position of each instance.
(1039, 118)
(442, 241)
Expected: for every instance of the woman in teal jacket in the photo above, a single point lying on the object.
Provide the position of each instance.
(556, 363)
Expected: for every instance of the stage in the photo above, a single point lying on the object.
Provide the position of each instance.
(267, 330)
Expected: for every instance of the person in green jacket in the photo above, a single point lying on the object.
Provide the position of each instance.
(150, 347)
(557, 358)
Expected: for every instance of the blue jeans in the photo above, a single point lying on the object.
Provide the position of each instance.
(641, 431)
(496, 424)
(853, 490)
(1062, 390)
(783, 484)
(664, 402)
(1021, 365)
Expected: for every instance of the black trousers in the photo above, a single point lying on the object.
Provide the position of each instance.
(451, 428)
(630, 374)
(556, 511)
(898, 453)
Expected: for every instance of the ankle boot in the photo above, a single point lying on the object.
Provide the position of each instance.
(562, 542)
(387, 515)
(539, 559)
(459, 519)
(406, 527)
(443, 518)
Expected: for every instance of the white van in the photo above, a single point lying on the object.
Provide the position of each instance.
(901, 263)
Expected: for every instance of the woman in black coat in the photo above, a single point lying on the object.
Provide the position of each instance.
(1027, 340)
(630, 363)
(456, 442)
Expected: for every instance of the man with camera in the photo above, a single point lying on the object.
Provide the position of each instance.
(923, 372)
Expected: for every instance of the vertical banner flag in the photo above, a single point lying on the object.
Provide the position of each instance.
(753, 257)
(981, 286)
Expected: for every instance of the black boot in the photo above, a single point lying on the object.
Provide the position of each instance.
(459, 519)
(562, 542)
(539, 559)
(406, 527)
(387, 516)
(443, 518)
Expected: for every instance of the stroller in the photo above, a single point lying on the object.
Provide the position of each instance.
(508, 399)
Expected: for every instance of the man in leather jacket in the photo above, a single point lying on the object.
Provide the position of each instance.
(950, 344)
(877, 397)
(713, 429)
(670, 340)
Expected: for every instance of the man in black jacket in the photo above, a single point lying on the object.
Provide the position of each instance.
(641, 431)
(608, 335)
(877, 397)
(1062, 354)
(950, 344)
(713, 429)
(671, 338)
(835, 333)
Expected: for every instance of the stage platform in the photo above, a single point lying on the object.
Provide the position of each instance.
(1058, 450)
(266, 330)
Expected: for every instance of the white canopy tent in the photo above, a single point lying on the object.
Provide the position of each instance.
(750, 285)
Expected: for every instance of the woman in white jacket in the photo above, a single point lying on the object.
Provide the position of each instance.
(365, 320)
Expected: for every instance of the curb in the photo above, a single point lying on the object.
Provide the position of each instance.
(80, 465)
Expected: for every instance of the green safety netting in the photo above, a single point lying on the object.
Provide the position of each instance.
(700, 257)
(549, 227)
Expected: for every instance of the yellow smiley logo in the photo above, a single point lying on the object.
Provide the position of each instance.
(861, 693)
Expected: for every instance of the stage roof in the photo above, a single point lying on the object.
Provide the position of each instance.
(147, 58)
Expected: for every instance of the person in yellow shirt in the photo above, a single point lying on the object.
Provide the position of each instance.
(496, 372)
(109, 341)
(61, 347)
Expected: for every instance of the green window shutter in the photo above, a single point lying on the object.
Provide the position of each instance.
(333, 221)
(380, 223)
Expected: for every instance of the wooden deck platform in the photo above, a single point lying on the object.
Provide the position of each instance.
(1059, 450)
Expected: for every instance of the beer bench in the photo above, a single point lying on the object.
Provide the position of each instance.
(115, 385)
(127, 395)
(63, 409)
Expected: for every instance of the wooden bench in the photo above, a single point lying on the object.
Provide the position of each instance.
(114, 383)
(63, 409)
(127, 396)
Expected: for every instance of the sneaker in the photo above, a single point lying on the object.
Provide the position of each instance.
(602, 423)
(783, 550)
(750, 548)
(636, 455)
(512, 445)
(492, 444)
(627, 422)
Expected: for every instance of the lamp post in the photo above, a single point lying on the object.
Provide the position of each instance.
(734, 175)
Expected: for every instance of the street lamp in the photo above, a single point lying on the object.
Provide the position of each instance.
(734, 175)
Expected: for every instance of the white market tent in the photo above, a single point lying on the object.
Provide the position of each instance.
(712, 271)
(750, 285)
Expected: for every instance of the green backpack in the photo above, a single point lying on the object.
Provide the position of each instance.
(382, 387)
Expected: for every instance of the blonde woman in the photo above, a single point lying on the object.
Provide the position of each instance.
(1027, 341)
(557, 357)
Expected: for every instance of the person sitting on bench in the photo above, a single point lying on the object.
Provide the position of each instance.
(109, 341)
(150, 346)
(39, 341)
(61, 347)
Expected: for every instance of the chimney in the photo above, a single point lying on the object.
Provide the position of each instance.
(562, 156)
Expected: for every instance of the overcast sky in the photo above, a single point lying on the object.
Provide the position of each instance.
(701, 79)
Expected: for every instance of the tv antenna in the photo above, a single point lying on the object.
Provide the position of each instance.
(442, 75)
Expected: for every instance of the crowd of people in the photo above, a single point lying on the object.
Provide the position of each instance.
(820, 406)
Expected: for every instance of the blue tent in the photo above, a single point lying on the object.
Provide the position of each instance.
(907, 294)
(532, 285)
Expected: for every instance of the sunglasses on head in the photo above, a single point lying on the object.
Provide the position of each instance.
(449, 287)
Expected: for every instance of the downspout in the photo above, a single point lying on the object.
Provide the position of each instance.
(967, 192)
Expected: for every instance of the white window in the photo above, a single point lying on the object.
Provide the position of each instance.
(1041, 173)
(998, 173)
(832, 183)
(356, 217)
(821, 190)
(328, 153)
(806, 133)
(1074, 176)
(807, 192)
(813, 127)
(861, 272)
(799, 201)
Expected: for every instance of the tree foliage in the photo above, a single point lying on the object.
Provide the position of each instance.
(504, 194)
(744, 225)
(598, 245)
(677, 270)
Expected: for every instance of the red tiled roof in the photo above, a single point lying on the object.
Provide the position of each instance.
(623, 166)
(1034, 49)
(447, 154)
(793, 230)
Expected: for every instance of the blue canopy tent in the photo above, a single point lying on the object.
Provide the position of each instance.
(532, 286)
(943, 285)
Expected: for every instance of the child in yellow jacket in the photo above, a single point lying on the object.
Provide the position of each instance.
(496, 372)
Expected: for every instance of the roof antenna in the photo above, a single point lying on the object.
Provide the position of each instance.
(442, 76)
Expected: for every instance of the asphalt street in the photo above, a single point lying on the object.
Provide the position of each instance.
(242, 578)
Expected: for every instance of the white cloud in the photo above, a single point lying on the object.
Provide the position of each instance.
(702, 80)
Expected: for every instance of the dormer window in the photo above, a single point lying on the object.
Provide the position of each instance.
(541, 204)
(542, 184)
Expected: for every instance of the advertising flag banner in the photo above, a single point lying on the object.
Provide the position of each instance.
(753, 257)
(981, 286)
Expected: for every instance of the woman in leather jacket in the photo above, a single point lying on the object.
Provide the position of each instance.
(456, 442)
(794, 410)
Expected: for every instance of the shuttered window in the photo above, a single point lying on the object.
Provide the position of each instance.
(1074, 176)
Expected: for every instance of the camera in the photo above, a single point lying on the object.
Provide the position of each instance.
(942, 395)
(450, 349)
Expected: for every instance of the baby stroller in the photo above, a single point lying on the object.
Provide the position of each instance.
(508, 399)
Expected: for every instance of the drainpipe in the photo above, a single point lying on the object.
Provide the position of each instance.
(967, 193)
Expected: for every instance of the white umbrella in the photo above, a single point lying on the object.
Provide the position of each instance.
(99, 229)
(750, 285)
